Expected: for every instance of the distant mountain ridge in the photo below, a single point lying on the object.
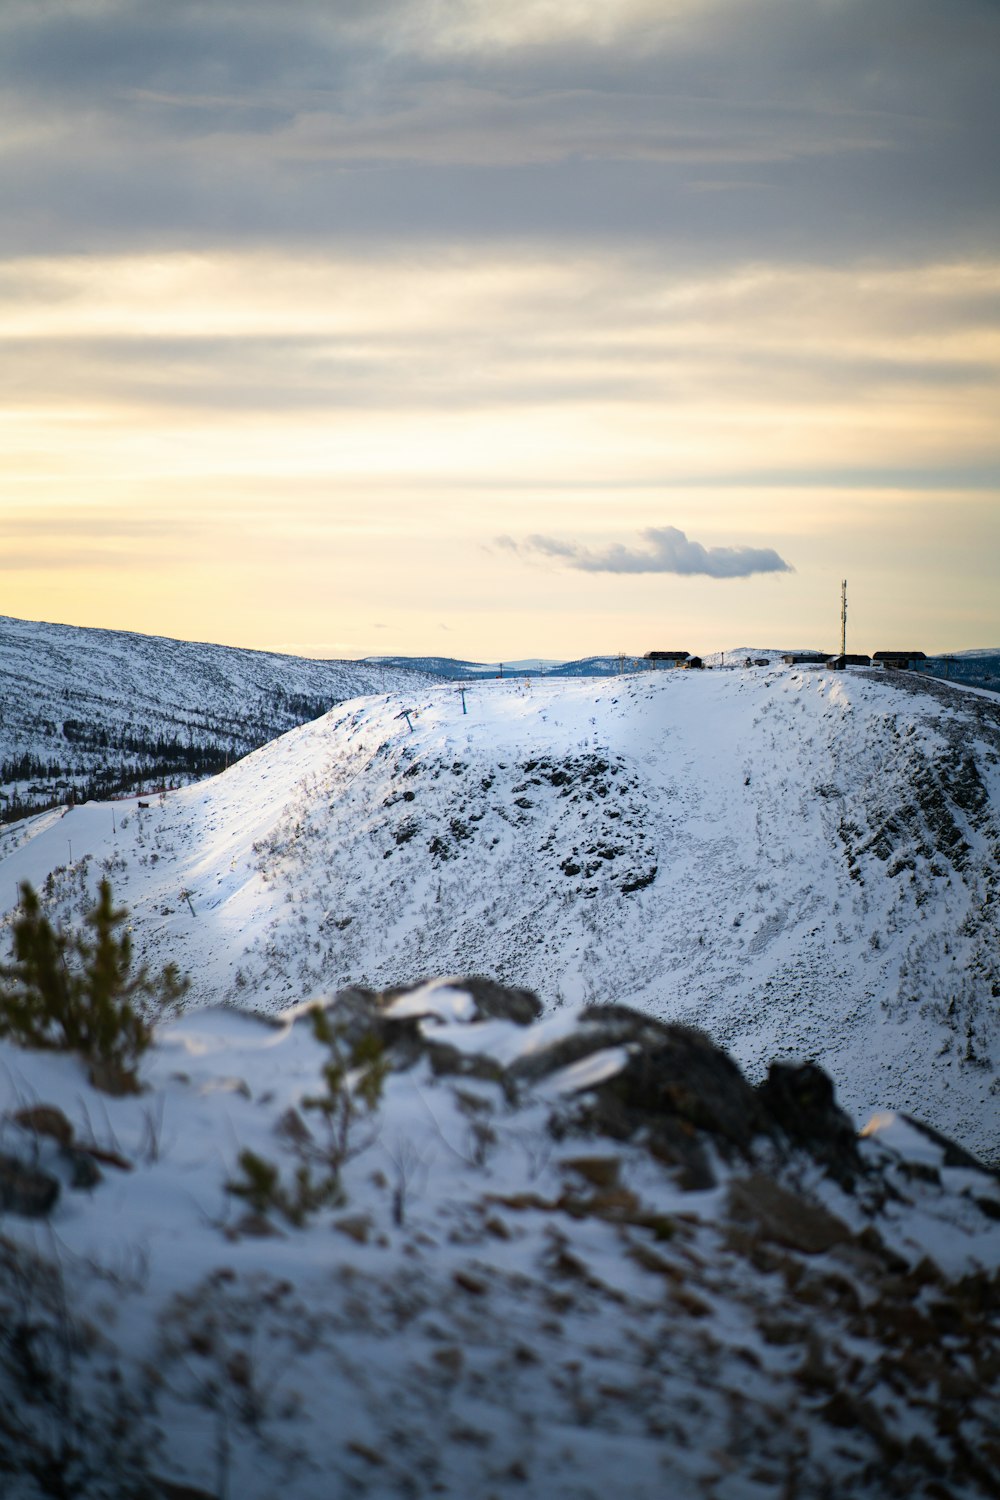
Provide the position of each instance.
(102, 713)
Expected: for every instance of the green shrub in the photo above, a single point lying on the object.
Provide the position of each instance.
(262, 1187)
(76, 992)
(354, 1076)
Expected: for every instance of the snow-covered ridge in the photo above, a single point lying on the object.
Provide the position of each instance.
(803, 862)
(105, 712)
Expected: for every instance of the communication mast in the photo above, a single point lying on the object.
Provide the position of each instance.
(843, 618)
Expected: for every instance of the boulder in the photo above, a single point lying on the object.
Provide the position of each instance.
(25, 1190)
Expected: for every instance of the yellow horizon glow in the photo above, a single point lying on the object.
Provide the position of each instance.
(302, 439)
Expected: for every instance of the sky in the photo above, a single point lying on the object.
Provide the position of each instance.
(537, 329)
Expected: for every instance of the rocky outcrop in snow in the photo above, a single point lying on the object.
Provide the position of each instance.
(569, 1248)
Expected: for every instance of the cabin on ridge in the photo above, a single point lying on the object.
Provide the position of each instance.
(900, 661)
(666, 658)
(850, 660)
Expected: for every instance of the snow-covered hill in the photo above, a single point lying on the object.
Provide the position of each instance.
(803, 862)
(103, 712)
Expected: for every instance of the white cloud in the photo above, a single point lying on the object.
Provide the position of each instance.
(666, 550)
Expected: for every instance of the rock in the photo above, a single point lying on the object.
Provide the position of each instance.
(452, 1062)
(783, 1217)
(952, 1155)
(25, 1190)
(85, 1174)
(370, 1455)
(358, 1013)
(357, 1227)
(46, 1122)
(599, 1171)
(686, 1096)
(492, 1001)
(474, 1285)
(106, 1157)
(539, 1063)
(500, 1002)
(800, 1100)
(450, 1359)
(45, 1119)
(684, 1076)
(168, 1489)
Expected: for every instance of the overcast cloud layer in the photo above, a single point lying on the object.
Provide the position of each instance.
(762, 126)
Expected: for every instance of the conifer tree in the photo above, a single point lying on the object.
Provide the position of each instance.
(76, 992)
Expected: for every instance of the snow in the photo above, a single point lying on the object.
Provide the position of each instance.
(800, 862)
(589, 1071)
(116, 711)
(463, 1321)
(443, 998)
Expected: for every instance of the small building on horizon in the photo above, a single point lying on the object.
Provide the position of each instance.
(838, 663)
(667, 658)
(804, 658)
(899, 661)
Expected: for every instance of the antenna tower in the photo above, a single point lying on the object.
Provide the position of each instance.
(843, 618)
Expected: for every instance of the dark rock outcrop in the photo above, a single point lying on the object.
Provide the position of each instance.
(678, 1091)
(800, 1100)
(25, 1189)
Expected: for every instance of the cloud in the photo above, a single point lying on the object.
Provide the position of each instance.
(772, 127)
(668, 550)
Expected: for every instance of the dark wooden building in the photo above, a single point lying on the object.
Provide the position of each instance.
(900, 661)
(667, 658)
(850, 660)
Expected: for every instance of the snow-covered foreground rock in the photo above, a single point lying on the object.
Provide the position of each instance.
(804, 863)
(567, 1257)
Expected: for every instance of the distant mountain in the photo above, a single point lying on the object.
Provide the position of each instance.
(803, 862)
(979, 669)
(453, 667)
(100, 713)
(735, 656)
(456, 670)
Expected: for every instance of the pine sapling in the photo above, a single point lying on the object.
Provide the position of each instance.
(77, 992)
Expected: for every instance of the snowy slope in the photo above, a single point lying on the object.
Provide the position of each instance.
(803, 862)
(104, 711)
(553, 1269)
